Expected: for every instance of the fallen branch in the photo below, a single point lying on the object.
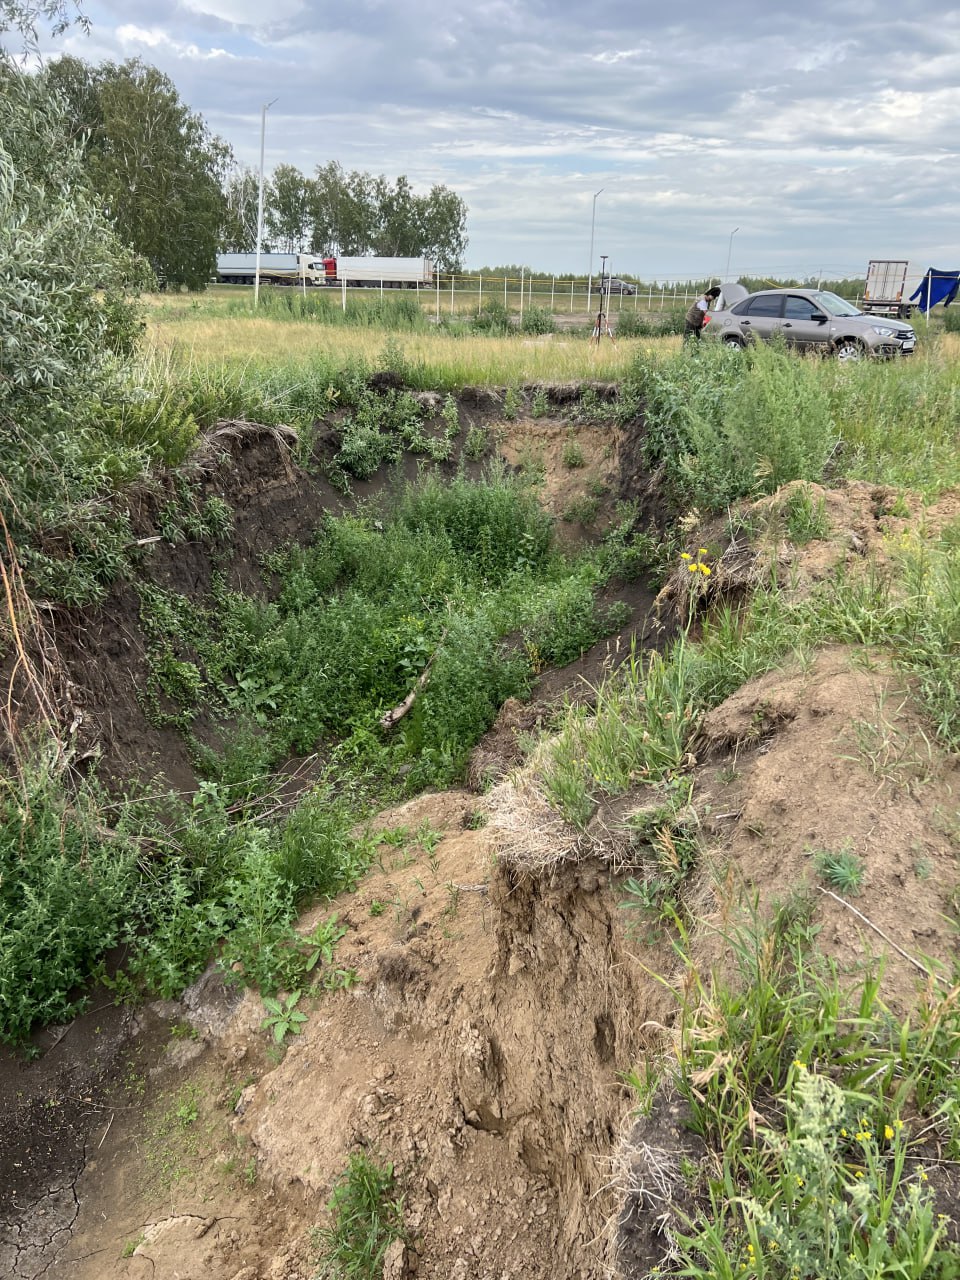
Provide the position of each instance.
(388, 720)
(876, 928)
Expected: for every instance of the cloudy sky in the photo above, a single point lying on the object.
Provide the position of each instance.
(826, 132)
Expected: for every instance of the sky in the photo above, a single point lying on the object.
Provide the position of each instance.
(735, 137)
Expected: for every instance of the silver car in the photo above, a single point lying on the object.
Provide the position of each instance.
(809, 319)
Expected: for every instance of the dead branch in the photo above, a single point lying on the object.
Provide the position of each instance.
(388, 720)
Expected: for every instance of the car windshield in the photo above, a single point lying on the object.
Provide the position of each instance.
(836, 306)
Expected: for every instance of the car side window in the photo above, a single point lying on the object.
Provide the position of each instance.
(798, 308)
(764, 305)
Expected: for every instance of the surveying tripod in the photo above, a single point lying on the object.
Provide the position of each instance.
(602, 327)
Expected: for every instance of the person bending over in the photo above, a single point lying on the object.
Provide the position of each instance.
(696, 317)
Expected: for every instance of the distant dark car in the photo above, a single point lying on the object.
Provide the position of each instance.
(620, 286)
(807, 319)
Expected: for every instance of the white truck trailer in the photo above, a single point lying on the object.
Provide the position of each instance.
(890, 282)
(391, 273)
(275, 268)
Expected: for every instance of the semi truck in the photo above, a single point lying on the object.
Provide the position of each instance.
(313, 269)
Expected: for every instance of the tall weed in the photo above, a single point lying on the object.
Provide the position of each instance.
(65, 884)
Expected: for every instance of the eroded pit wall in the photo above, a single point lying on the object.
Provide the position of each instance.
(485, 1065)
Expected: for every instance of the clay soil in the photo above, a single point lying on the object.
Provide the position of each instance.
(481, 1047)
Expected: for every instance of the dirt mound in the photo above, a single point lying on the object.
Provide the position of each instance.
(801, 535)
(829, 760)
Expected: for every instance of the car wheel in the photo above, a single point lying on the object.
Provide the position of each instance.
(848, 349)
(731, 340)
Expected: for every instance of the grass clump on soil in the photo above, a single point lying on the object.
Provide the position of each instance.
(366, 1218)
(640, 730)
(819, 1114)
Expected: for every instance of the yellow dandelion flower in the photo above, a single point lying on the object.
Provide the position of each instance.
(801, 1066)
(843, 1133)
(685, 556)
(887, 1132)
(705, 571)
(858, 1174)
(693, 567)
(702, 551)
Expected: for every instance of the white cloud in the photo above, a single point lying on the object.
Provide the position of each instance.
(155, 39)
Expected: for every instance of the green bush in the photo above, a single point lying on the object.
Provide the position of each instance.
(492, 318)
(66, 320)
(65, 884)
(538, 320)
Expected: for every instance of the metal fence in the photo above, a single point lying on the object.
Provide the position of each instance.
(463, 295)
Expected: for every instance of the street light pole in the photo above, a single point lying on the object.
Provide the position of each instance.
(730, 251)
(263, 135)
(593, 220)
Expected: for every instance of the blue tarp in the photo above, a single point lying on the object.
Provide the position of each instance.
(936, 286)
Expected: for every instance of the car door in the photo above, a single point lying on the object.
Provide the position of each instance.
(805, 325)
(760, 316)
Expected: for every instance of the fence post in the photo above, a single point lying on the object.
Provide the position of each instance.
(571, 295)
(504, 293)
(553, 290)
(521, 295)
(438, 297)
(480, 296)
(452, 278)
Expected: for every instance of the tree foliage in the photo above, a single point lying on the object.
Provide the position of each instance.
(63, 271)
(156, 167)
(240, 193)
(288, 208)
(65, 316)
(24, 15)
(357, 213)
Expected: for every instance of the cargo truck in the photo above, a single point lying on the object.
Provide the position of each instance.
(309, 269)
(275, 268)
